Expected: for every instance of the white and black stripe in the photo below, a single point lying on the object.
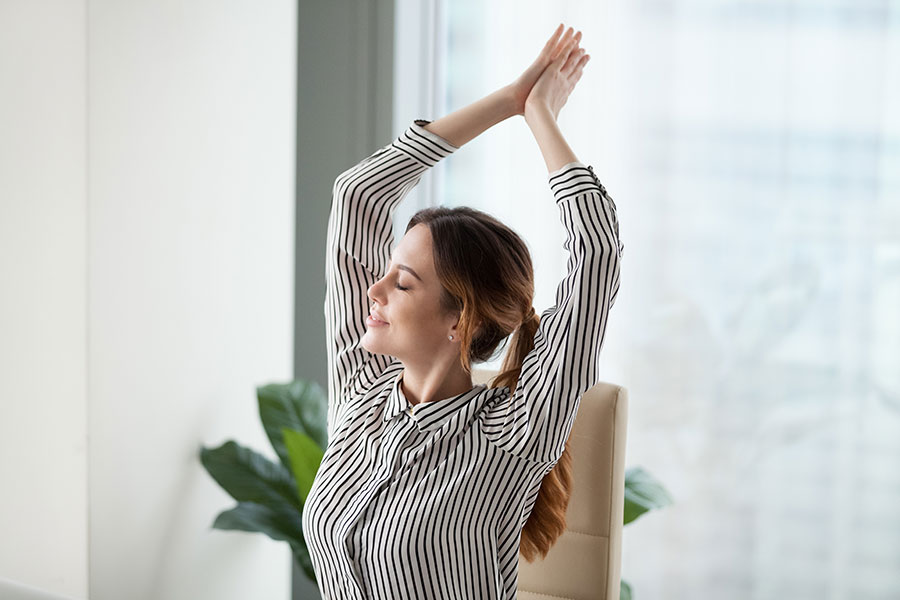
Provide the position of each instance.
(429, 501)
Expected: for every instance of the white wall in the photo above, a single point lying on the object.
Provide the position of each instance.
(147, 264)
(43, 294)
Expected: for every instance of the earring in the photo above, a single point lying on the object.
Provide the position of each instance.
(451, 337)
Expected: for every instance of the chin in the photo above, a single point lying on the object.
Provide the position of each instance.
(369, 347)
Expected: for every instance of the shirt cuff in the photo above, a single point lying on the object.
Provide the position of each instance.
(425, 146)
(572, 180)
(566, 167)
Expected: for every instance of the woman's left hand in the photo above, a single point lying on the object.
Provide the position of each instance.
(521, 87)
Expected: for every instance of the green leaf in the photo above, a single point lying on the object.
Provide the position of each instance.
(306, 456)
(299, 406)
(624, 590)
(643, 492)
(249, 476)
(270, 500)
(277, 523)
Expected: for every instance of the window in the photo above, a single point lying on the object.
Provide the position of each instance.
(752, 151)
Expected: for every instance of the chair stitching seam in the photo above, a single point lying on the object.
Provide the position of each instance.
(598, 535)
(546, 595)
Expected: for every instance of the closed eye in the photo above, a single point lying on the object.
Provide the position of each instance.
(400, 287)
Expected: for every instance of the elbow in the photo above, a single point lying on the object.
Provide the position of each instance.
(350, 190)
(610, 249)
(343, 194)
(339, 187)
(605, 249)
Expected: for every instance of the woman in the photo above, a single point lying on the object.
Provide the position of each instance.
(428, 480)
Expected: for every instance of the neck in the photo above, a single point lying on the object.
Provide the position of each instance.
(419, 386)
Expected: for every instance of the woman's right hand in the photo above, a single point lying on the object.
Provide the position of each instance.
(557, 81)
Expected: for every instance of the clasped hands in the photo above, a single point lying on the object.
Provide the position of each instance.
(548, 81)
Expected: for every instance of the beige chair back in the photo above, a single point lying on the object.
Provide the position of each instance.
(585, 562)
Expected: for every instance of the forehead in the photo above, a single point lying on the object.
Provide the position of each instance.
(414, 250)
(416, 240)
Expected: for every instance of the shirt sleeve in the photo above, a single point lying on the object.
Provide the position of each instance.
(535, 421)
(359, 240)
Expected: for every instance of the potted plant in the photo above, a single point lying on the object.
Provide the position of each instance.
(270, 495)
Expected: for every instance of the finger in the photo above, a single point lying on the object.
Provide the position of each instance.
(563, 52)
(576, 77)
(584, 60)
(572, 61)
(561, 46)
(579, 70)
(567, 51)
(568, 40)
(552, 41)
(573, 42)
(577, 38)
(548, 48)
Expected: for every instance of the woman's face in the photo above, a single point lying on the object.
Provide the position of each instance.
(415, 327)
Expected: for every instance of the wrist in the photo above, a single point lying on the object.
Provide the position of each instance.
(510, 98)
(537, 111)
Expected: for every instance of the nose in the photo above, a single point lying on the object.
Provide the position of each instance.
(374, 289)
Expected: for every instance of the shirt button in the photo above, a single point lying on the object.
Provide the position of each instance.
(597, 180)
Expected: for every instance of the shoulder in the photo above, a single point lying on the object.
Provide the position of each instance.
(367, 387)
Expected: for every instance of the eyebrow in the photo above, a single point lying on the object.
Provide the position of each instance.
(414, 274)
(409, 269)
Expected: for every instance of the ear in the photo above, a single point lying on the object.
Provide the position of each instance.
(454, 317)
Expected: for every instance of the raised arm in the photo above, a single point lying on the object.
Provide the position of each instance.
(469, 122)
(536, 420)
(358, 241)
(360, 233)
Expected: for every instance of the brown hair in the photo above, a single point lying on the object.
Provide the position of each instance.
(487, 276)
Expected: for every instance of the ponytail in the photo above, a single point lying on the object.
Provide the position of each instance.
(547, 520)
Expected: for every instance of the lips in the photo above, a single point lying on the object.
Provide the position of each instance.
(377, 317)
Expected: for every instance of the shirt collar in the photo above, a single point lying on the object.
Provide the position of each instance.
(429, 416)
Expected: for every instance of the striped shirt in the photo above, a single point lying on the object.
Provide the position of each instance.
(429, 501)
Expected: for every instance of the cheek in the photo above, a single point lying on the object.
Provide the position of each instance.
(418, 313)
(409, 312)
